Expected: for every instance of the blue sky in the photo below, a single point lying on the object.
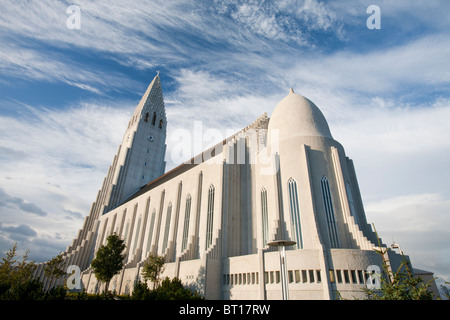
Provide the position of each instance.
(66, 96)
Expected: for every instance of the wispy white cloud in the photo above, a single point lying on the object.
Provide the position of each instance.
(135, 34)
(421, 62)
(17, 62)
(58, 159)
(74, 214)
(287, 20)
(419, 224)
(7, 200)
(317, 15)
(230, 61)
(18, 232)
(260, 21)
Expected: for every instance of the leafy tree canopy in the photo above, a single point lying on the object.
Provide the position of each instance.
(13, 272)
(55, 267)
(109, 259)
(152, 268)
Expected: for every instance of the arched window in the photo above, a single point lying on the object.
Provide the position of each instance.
(167, 228)
(210, 216)
(136, 237)
(161, 122)
(150, 232)
(296, 229)
(146, 117)
(126, 231)
(329, 211)
(187, 217)
(351, 202)
(154, 119)
(264, 216)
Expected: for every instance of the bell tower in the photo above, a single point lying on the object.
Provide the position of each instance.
(139, 160)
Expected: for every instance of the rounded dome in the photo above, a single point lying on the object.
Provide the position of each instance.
(297, 116)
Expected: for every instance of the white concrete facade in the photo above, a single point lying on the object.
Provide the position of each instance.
(212, 217)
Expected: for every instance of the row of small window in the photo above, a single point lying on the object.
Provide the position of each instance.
(294, 276)
(348, 276)
(146, 118)
(303, 276)
(297, 276)
(240, 278)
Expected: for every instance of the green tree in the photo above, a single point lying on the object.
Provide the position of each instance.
(109, 259)
(152, 269)
(141, 291)
(446, 291)
(14, 273)
(27, 290)
(399, 285)
(402, 285)
(168, 290)
(174, 290)
(54, 268)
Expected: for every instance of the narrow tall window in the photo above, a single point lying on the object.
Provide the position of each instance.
(296, 229)
(167, 228)
(264, 216)
(187, 216)
(154, 118)
(146, 117)
(351, 202)
(126, 230)
(136, 237)
(150, 232)
(329, 211)
(210, 217)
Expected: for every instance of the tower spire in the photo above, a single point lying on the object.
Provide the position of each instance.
(144, 141)
(152, 96)
(139, 159)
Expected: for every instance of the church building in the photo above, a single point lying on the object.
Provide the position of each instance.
(216, 217)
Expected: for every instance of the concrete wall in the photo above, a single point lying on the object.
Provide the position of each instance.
(236, 263)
